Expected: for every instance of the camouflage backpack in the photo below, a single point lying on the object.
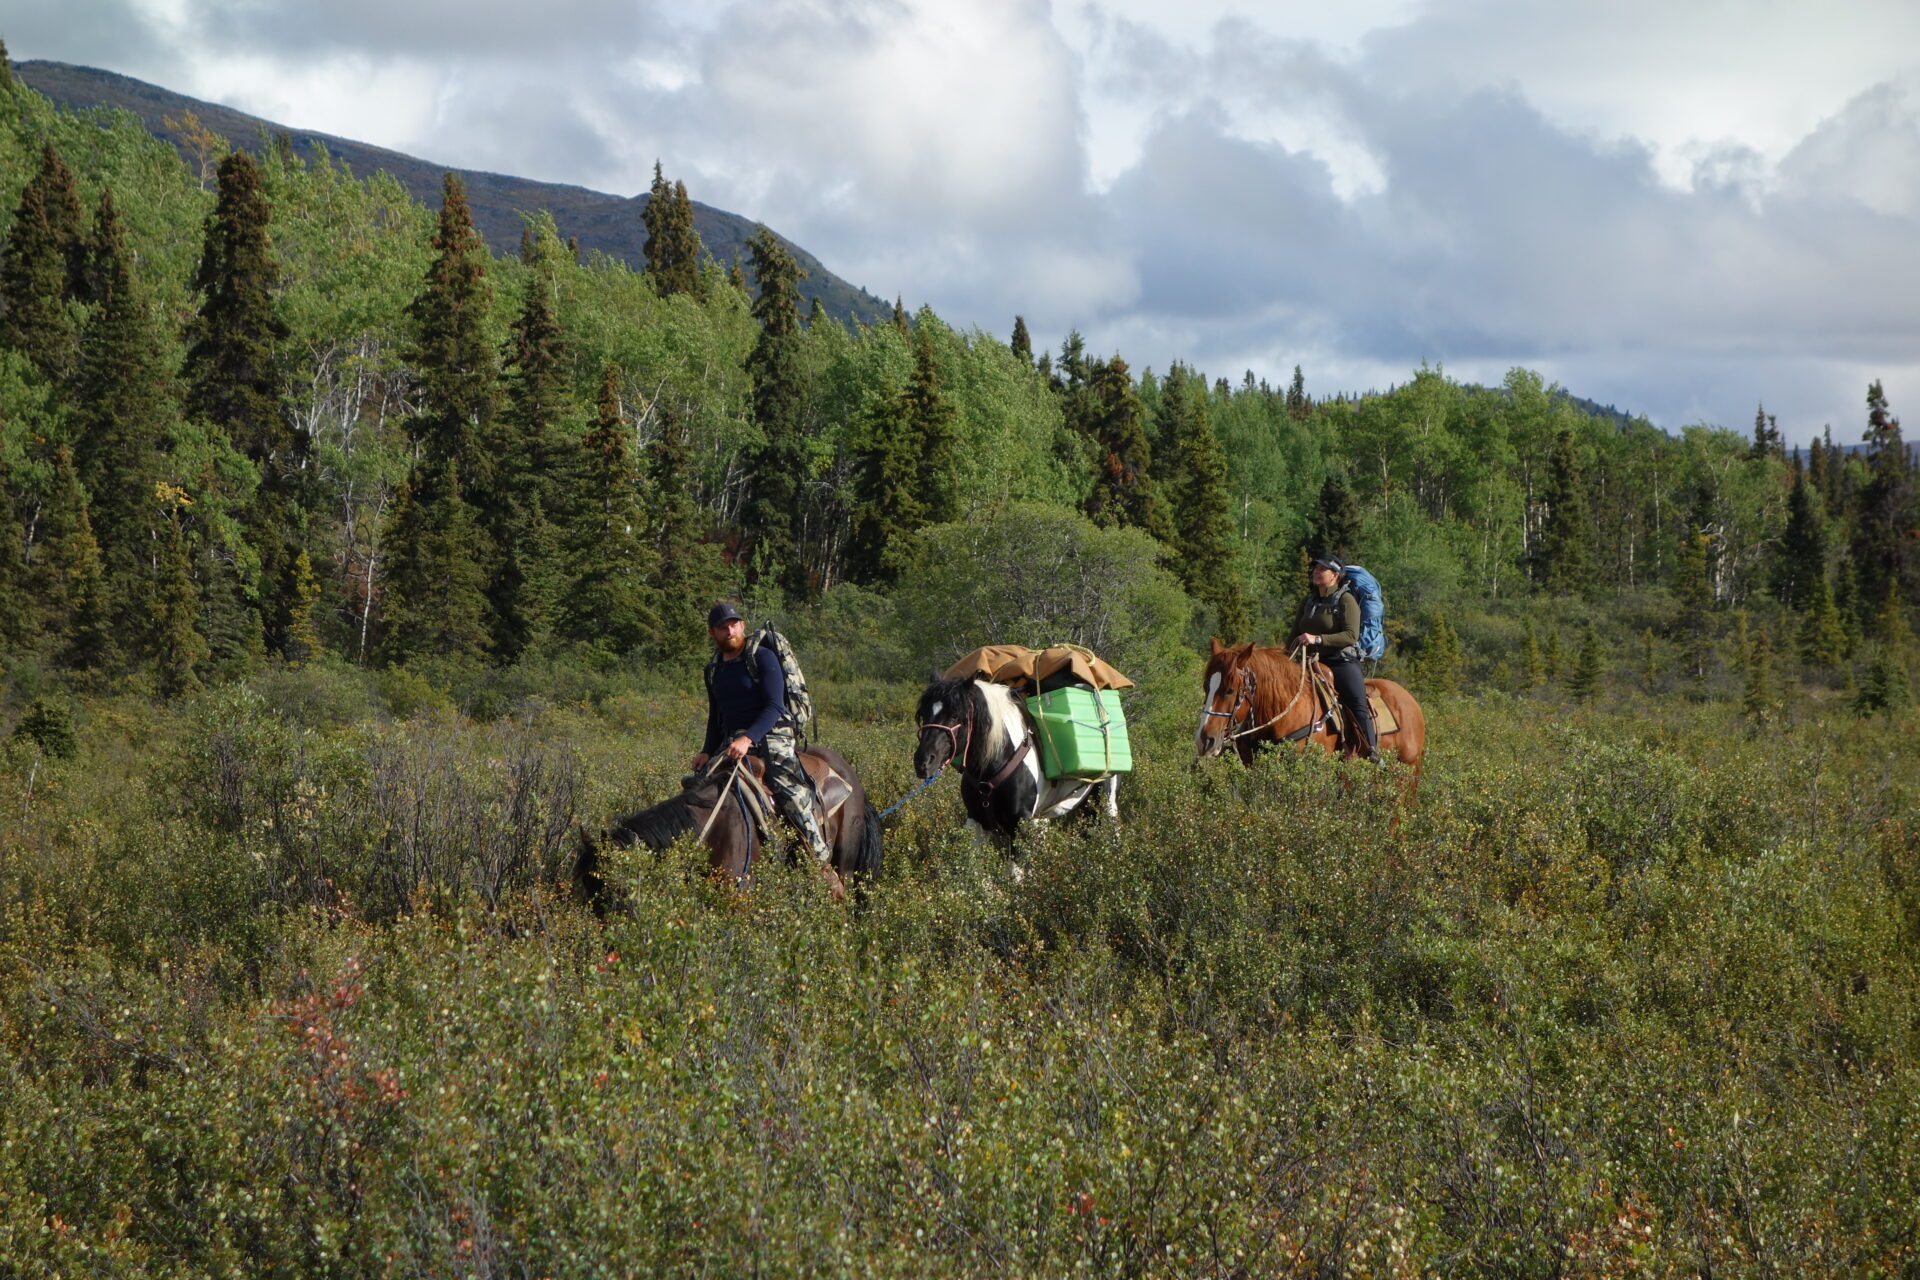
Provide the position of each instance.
(799, 703)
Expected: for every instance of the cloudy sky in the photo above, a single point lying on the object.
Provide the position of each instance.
(1681, 207)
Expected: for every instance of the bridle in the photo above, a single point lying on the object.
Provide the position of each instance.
(980, 789)
(1249, 685)
(960, 751)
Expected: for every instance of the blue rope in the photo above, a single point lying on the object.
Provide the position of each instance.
(888, 812)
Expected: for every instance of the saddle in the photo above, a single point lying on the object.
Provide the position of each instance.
(1334, 716)
(830, 790)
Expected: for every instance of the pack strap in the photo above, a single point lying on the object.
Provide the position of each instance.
(983, 789)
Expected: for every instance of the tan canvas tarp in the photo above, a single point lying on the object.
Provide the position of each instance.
(1017, 664)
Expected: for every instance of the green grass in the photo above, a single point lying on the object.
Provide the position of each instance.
(291, 987)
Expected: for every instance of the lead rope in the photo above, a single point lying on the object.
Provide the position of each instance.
(889, 810)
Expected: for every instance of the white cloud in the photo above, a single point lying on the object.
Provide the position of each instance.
(950, 113)
(1678, 208)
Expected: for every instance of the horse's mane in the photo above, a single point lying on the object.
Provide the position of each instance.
(1272, 667)
(996, 710)
(657, 827)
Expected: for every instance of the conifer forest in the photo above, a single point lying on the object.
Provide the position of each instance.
(350, 566)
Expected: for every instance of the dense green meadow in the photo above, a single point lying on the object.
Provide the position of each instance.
(292, 984)
(348, 566)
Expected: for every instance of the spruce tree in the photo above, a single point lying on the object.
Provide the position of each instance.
(690, 568)
(900, 320)
(1022, 344)
(543, 468)
(174, 600)
(68, 579)
(1757, 697)
(1566, 565)
(1196, 488)
(44, 251)
(1554, 660)
(1649, 660)
(1802, 553)
(673, 246)
(1817, 463)
(610, 601)
(1336, 526)
(1124, 492)
(1884, 686)
(779, 467)
(1821, 640)
(1533, 664)
(460, 458)
(234, 381)
(303, 631)
(1440, 661)
(1883, 533)
(1846, 603)
(1583, 682)
(1766, 436)
(904, 470)
(451, 354)
(20, 619)
(930, 419)
(1695, 596)
(433, 589)
(232, 369)
(125, 407)
(1299, 404)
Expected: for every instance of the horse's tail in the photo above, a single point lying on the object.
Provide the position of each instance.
(866, 865)
(588, 888)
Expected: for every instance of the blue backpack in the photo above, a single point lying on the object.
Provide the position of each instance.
(1373, 611)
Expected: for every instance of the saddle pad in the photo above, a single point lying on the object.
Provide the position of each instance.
(1383, 720)
(833, 790)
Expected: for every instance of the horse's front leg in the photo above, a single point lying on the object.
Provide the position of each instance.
(1112, 787)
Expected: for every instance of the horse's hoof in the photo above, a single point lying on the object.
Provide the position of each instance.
(836, 887)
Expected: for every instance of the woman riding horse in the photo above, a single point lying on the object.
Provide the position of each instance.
(1255, 695)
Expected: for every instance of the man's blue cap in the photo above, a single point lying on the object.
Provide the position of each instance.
(722, 613)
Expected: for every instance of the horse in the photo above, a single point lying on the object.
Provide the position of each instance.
(732, 837)
(1254, 695)
(982, 727)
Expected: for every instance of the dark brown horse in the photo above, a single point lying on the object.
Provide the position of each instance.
(851, 826)
(1256, 695)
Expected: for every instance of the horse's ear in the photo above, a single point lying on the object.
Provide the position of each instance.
(1216, 647)
(933, 675)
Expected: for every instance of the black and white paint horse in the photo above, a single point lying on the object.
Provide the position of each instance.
(981, 728)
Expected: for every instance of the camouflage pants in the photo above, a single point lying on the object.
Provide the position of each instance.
(791, 790)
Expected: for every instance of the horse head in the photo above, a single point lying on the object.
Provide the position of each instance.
(947, 718)
(1226, 704)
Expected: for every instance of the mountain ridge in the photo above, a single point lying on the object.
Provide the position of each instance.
(598, 220)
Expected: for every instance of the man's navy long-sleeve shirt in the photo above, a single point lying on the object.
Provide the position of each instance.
(737, 705)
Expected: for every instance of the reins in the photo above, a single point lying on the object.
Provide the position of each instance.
(720, 802)
(1250, 687)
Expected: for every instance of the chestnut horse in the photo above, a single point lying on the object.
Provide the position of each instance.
(852, 828)
(1254, 695)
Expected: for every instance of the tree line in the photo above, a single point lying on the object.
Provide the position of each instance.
(300, 415)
